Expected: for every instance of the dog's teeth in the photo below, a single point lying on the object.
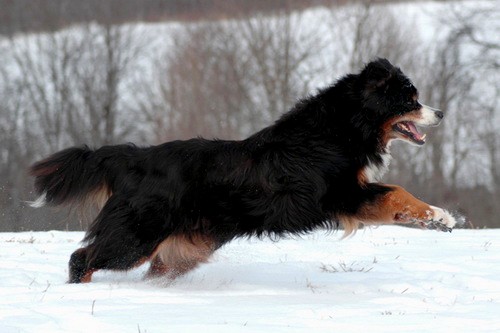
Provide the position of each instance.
(424, 136)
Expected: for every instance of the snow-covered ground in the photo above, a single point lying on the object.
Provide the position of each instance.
(387, 279)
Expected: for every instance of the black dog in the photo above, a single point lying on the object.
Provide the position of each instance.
(317, 166)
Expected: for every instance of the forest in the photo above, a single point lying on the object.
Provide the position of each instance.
(103, 72)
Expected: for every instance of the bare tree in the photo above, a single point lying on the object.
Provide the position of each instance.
(12, 154)
(462, 82)
(479, 28)
(283, 53)
(228, 79)
(201, 87)
(62, 89)
(72, 82)
(448, 85)
(108, 55)
(367, 30)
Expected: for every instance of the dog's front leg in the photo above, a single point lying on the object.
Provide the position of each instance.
(397, 206)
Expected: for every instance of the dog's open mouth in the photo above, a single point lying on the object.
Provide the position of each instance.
(409, 131)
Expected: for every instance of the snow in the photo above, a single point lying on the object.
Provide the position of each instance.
(386, 279)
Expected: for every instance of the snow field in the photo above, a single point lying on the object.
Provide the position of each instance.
(387, 279)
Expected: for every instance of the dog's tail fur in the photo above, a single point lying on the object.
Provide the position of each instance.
(75, 175)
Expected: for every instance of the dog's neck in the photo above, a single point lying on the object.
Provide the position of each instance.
(376, 168)
(377, 164)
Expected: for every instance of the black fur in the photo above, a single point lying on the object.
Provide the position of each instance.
(290, 178)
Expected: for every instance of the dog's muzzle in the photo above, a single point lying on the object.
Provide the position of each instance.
(430, 116)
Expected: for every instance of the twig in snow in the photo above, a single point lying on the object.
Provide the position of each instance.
(48, 285)
(343, 267)
(311, 286)
(45, 291)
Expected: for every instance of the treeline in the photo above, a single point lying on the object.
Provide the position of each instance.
(101, 84)
(50, 15)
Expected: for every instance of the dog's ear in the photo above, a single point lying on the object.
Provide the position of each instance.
(377, 73)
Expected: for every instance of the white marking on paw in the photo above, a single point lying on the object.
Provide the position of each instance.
(443, 216)
(40, 202)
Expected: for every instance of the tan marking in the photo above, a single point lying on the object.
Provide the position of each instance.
(350, 224)
(388, 133)
(100, 196)
(157, 268)
(397, 206)
(92, 204)
(362, 178)
(88, 276)
(179, 254)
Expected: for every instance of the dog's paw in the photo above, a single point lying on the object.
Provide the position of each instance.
(440, 219)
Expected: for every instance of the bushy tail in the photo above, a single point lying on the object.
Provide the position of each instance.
(69, 176)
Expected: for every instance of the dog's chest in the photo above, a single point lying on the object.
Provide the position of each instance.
(375, 169)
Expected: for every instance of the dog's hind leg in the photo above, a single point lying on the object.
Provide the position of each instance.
(178, 254)
(121, 238)
(78, 271)
(82, 266)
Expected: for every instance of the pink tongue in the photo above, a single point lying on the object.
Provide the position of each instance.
(414, 130)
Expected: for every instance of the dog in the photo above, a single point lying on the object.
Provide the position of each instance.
(318, 166)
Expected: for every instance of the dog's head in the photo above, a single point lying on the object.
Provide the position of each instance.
(391, 100)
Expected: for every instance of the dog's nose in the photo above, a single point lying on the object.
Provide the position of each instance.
(440, 114)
